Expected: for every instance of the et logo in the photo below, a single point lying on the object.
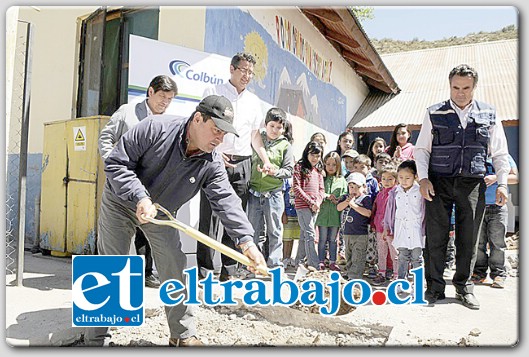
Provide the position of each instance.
(107, 290)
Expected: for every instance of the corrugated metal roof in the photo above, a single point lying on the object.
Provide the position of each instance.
(423, 79)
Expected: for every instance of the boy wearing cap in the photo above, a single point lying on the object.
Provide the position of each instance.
(167, 160)
(357, 206)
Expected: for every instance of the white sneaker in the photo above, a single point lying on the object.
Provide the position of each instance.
(400, 290)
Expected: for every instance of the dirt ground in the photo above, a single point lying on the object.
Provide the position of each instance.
(39, 314)
(447, 323)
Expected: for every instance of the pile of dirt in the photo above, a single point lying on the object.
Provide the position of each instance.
(241, 325)
(324, 277)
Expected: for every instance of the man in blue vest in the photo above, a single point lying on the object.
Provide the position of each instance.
(456, 137)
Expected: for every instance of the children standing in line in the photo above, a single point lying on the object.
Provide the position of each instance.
(358, 205)
(384, 244)
(328, 220)
(265, 202)
(404, 218)
(309, 191)
(400, 147)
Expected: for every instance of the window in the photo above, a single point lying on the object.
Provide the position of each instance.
(104, 55)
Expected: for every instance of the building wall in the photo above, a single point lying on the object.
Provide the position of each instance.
(53, 83)
(54, 80)
(55, 66)
(183, 26)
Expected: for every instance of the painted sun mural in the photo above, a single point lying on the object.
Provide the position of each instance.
(254, 44)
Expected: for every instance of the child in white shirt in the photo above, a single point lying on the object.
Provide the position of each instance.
(404, 218)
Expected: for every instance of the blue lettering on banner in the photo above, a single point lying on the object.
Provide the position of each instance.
(107, 290)
(182, 69)
(325, 295)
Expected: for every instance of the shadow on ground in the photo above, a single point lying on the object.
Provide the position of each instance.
(52, 327)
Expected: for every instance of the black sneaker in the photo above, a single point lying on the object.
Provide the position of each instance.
(379, 280)
(152, 282)
(389, 274)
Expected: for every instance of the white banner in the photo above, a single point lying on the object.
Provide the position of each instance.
(192, 70)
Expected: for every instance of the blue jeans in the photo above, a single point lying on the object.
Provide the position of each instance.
(407, 256)
(327, 234)
(268, 208)
(306, 247)
(492, 232)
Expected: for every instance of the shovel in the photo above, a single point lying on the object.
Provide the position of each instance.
(202, 238)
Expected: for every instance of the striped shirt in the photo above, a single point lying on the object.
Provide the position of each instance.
(308, 190)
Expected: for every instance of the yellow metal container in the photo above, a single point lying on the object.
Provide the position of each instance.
(72, 183)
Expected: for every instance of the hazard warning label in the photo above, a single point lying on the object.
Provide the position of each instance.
(79, 138)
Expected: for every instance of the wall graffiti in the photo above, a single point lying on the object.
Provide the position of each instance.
(281, 78)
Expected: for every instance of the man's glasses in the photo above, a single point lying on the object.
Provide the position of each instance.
(246, 72)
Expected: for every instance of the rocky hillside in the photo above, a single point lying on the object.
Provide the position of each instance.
(387, 45)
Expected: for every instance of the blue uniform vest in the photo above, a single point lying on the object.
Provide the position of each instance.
(457, 151)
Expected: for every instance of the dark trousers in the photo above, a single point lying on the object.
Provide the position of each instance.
(468, 195)
(239, 177)
(143, 248)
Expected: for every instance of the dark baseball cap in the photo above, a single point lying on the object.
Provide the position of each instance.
(220, 110)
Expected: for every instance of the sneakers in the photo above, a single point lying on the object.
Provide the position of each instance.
(389, 274)
(499, 282)
(380, 279)
(152, 282)
(334, 267)
(321, 266)
(372, 273)
(192, 341)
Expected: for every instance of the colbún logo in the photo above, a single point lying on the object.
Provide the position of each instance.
(178, 67)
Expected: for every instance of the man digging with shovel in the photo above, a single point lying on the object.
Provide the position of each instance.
(167, 160)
